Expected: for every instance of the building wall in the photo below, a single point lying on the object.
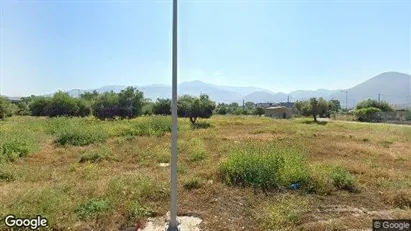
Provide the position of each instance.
(278, 113)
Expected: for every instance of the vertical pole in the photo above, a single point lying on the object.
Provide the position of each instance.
(346, 100)
(379, 98)
(243, 105)
(173, 226)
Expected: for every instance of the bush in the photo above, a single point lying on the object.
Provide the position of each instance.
(136, 211)
(342, 179)
(283, 213)
(265, 166)
(96, 155)
(152, 126)
(6, 175)
(196, 150)
(366, 114)
(408, 116)
(370, 103)
(126, 105)
(7, 109)
(201, 125)
(191, 184)
(13, 149)
(39, 106)
(80, 137)
(93, 208)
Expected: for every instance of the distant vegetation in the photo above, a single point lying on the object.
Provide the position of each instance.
(317, 107)
(366, 109)
(249, 108)
(129, 103)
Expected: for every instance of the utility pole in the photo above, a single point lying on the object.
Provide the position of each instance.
(243, 105)
(379, 98)
(173, 225)
(346, 99)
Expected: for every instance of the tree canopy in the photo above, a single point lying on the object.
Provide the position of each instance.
(382, 105)
(162, 107)
(195, 107)
(313, 107)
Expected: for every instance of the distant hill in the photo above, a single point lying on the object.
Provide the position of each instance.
(392, 87)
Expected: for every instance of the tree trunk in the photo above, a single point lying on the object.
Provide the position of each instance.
(315, 119)
(193, 120)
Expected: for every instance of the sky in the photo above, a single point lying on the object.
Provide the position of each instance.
(282, 46)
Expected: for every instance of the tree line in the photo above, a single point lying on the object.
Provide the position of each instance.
(317, 107)
(127, 104)
(249, 108)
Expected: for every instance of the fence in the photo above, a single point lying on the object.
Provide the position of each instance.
(395, 116)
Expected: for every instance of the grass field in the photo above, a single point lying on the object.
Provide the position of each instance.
(85, 174)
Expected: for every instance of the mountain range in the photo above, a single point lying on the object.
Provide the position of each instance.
(393, 87)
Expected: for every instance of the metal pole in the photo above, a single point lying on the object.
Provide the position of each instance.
(173, 225)
(346, 100)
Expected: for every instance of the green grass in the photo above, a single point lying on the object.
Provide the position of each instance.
(115, 181)
(275, 166)
(103, 153)
(265, 166)
(6, 175)
(81, 136)
(342, 179)
(283, 213)
(92, 208)
(196, 150)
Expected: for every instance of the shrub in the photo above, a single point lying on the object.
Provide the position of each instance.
(152, 126)
(399, 198)
(342, 179)
(371, 103)
(193, 183)
(81, 137)
(95, 155)
(365, 114)
(264, 166)
(134, 187)
(7, 108)
(136, 211)
(92, 208)
(196, 150)
(39, 106)
(201, 125)
(6, 175)
(13, 149)
(408, 116)
(283, 213)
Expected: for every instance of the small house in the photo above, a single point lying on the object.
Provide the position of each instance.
(279, 112)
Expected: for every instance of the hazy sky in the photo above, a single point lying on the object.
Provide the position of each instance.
(278, 45)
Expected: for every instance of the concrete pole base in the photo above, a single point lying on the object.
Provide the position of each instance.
(185, 223)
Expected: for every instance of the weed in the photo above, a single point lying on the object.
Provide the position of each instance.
(342, 179)
(135, 211)
(264, 166)
(192, 183)
(13, 149)
(196, 150)
(283, 213)
(92, 208)
(96, 155)
(6, 175)
(134, 187)
(399, 198)
(81, 136)
(201, 125)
